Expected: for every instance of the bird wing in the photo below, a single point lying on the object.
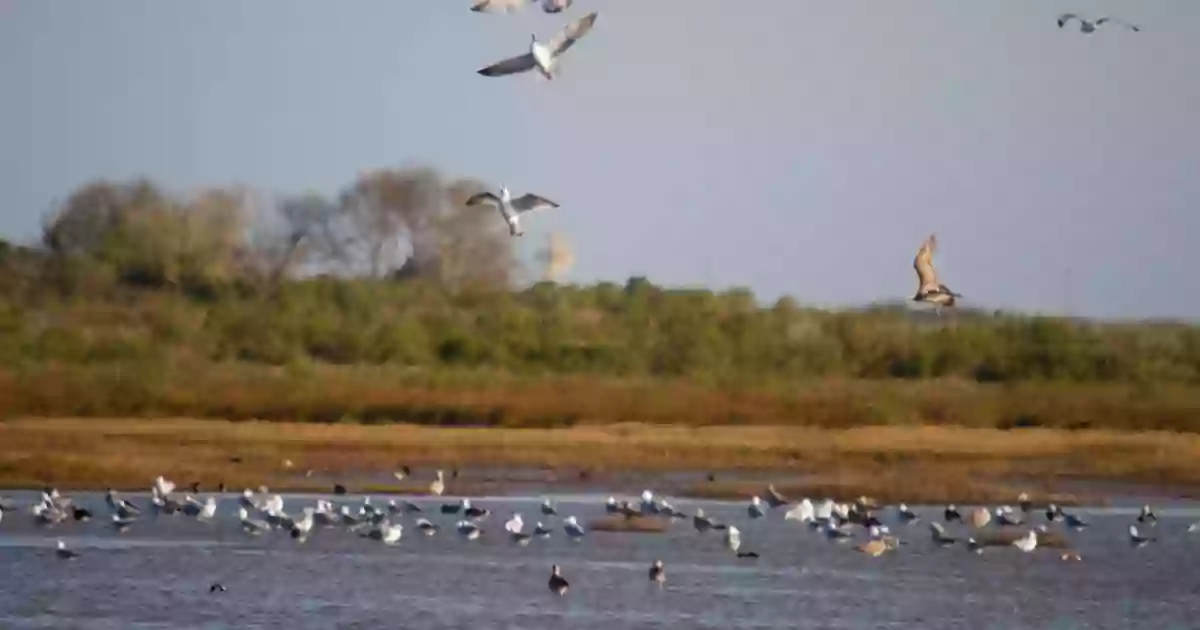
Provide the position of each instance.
(572, 33)
(530, 201)
(556, 6)
(1118, 21)
(1066, 17)
(479, 198)
(923, 264)
(512, 65)
(495, 6)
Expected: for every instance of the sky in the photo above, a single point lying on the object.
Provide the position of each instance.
(801, 147)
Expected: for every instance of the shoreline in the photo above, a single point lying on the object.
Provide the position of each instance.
(927, 465)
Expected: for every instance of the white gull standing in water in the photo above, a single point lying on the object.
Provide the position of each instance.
(755, 508)
(573, 528)
(803, 512)
(733, 538)
(1028, 542)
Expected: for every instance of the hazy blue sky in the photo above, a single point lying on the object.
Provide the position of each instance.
(801, 147)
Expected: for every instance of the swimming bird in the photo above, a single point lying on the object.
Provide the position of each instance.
(426, 527)
(515, 524)
(548, 509)
(611, 506)
(543, 57)
(468, 530)
(1028, 542)
(906, 515)
(980, 517)
(558, 584)
(950, 514)
(573, 528)
(1075, 522)
(438, 485)
(1147, 516)
(386, 532)
(834, 531)
(874, 547)
(251, 526)
(1088, 27)
(755, 508)
(1024, 502)
(302, 527)
(82, 515)
(122, 524)
(511, 208)
(503, 6)
(120, 507)
(1054, 513)
(648, 507)
(929, 289)
(1006, 517)
(733, 538)
(64, 553)
(774, 499)
(472, 512)
(658, 573)
(541, 530)
(938, 533)
(973, 546)
(216, 587)
(701, 522)
(803, 512)
(1137, 539)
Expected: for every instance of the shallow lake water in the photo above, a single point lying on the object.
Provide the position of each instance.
(157, 574)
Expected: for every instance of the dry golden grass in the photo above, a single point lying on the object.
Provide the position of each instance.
(635, 524)
(916, 464)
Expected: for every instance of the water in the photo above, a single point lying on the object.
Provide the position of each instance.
(157, 575)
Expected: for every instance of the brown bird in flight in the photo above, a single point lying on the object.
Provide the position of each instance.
(929, 289)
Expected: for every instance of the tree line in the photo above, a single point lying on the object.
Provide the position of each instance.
(395, 270)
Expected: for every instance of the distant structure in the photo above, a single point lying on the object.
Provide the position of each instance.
(556, 258)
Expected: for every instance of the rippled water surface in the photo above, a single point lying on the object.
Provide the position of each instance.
(157, 575)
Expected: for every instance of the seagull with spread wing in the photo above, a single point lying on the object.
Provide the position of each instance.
(929, 289)
(504, 6)
(1088, 27)
(543, 57)
(511, 208)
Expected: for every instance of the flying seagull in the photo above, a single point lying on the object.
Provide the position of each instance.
(543, 57)
(511, 208)
(929, 289)
(1088, 26)
(503, 6)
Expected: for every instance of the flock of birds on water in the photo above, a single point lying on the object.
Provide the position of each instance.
(545, 59)
(262, 513)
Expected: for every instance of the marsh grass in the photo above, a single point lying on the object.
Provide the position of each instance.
(916, 464)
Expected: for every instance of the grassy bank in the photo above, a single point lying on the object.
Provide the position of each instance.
(322, 393)
(915, 464)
